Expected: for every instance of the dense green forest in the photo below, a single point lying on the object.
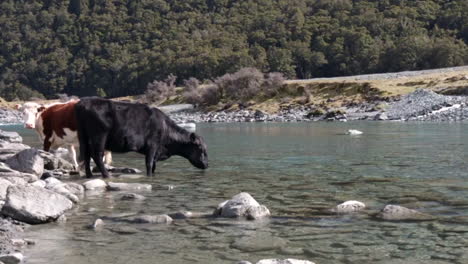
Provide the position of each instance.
(118, 47)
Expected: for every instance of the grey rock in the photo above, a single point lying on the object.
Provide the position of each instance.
(14, 258)
(132, 196)
(242, 205)
(120, 186)
(51, 182)
(244, 262)
(53, 162)
(11, 137)
(257, 212)
(284, 261)
(9, 147)
(16, 180)
(4, 184)
(75, 188)
(4, 169)
(61, 219)
(34, 205)
(28, 161)
(63, 189)
(400, 213)
(39, 183)
(96, 184)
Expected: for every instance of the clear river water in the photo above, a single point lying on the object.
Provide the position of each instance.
(299, 171)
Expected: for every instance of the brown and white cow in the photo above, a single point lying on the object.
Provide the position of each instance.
(56, 126)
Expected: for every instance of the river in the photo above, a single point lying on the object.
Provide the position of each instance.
(298, 170)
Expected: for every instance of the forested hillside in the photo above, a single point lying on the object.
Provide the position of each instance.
(115, 48)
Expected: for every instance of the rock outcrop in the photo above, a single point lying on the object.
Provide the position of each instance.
(34, 205)
(242, 205)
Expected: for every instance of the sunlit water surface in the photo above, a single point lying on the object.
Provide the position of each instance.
(298, 171)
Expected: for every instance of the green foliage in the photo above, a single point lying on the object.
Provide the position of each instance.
(115, 48)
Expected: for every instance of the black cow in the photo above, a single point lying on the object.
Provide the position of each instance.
(122, 127)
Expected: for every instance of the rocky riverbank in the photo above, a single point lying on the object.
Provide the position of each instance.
(10, 116)
(420, 105)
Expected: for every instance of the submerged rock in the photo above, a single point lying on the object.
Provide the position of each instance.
(120, 186)
(28, 161)
(124, 170)
(150, 219)
(400, 213)
(258, 242)
(132, 196)
(188, 214)
(284, 261)
(242, 205)
(96, 184)
(34, 205)
(349, 207)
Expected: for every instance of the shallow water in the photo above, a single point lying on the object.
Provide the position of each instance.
(297, 170)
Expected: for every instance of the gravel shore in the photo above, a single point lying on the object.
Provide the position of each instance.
(420, 105)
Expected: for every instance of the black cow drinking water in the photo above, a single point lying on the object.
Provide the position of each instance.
(122, 127)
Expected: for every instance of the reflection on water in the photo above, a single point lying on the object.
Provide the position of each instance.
(297, 171)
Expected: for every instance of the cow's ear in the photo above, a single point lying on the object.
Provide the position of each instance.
(41, 108)
(17, 106)
(193, 137)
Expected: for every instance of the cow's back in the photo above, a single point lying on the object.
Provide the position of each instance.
(127, 126)
(59, 119)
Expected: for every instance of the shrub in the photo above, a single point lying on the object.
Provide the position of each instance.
(272, 83)
(241, 85)
(191, 92)
(210, 94)
(158, 91)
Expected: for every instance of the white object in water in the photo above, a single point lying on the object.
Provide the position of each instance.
(188, 126)
(349, 207)
(354, 132)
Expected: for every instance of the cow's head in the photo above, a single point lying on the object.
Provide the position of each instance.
(30, 112)
(197, 154)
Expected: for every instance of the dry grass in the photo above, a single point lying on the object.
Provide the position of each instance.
(338, 92)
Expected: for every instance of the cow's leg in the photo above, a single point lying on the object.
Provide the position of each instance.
(47, 144)
(72, 154)
(97, 153)
(85, 155)
(107, 157)
(150, 162)
(153, 169)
